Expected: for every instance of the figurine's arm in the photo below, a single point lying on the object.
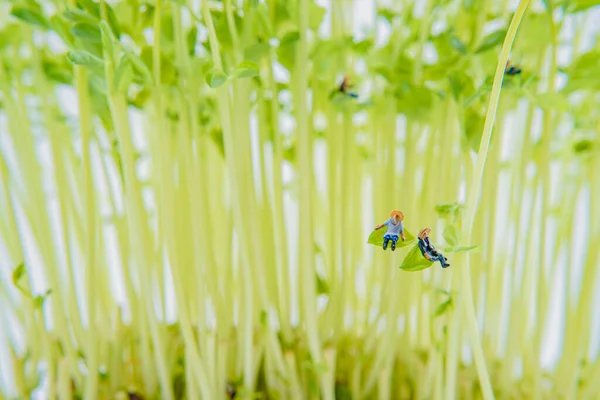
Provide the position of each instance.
(402, 232)
(382, 225)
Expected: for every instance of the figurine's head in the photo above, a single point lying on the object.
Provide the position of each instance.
(397, 215)
(423, 233)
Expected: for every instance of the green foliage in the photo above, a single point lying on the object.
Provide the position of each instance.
(491, 41)
(246, 69)
(414, 261)
(449, 210)
(376, 238)
(86, 31)
(86, 59)
(191, 166)
(30, 16)
(216, 78)
(451, 235)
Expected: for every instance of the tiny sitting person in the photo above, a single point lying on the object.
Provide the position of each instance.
(428, 251)
(394, 228)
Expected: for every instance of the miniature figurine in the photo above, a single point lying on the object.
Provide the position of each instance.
(343, 88)
(231, 391)
(428, 250)
(512, 69)
(394, 229)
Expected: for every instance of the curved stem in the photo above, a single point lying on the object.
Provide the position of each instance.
(475, 186)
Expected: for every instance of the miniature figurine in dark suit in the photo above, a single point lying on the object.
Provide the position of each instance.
(428, 250)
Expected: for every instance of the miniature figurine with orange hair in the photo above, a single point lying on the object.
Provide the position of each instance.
(428, 251)
(394, 228)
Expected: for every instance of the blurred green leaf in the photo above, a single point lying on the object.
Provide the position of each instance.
(451, 235)
(458, 81)
(286, 52)
(87, 31)
(376, 238)
(60, 25)
(581, 5)
(30, 16)
(458, 45)
(552, 101)
(474, 123)
(246, 69)
(216, 78)
(39, 300)
(583, 145)
(140, 67)
(112, 20)
(459, 248)
(90, 6)
(414, 261)
(76, 15)
(123, 75)
(322, 286)
(18, 273)
(256, 51)
(86, 59)
(446, 210)
(315, 15)
(57, 72)
(490, 41)
(414, 101)
(443, 307)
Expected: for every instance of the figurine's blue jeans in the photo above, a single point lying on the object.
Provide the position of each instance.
(387, 238)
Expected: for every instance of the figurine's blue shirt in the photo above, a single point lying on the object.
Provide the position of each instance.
(393, 229)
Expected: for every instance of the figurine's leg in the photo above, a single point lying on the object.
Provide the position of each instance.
(386, 239)
(442, 260)
(394, 241)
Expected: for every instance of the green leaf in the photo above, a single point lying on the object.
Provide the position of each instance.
(90, 6)
(581, 5)
(289, 38)
(458, 80)
(57, 72)
(78, 15)
(322, 286)
(386, 14)
(108, 39)
(474, 123)
(112, 20)
(458, 45)
(86, 59)
(315, 15)
(451, 235)
(140, 67)
(490, 41)
(39, 300)
(583, 145)
(86, 31)
(60, 25)
(30, 16)
(256, 51)
(123, 75)
(18, 273)
(414, 101)
(216, 78)
(246, 69)
(414, 261)
(459, 248)
(552, 101)
(445, 210)
(376, 238)
(443, 307)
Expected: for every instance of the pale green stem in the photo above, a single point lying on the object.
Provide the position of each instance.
(474, 189)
